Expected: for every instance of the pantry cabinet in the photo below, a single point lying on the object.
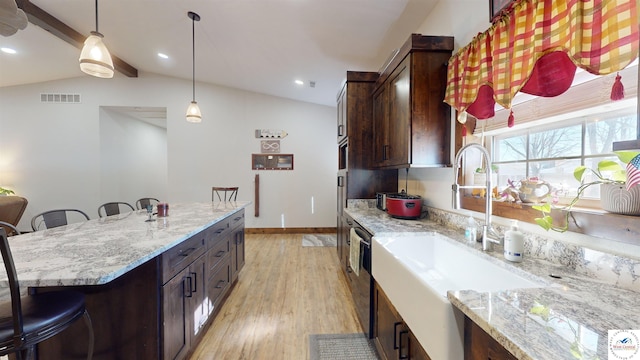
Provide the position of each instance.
(412, 126)
(393, 338)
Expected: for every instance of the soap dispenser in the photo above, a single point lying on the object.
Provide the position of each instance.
(471, 230)
(513, 243)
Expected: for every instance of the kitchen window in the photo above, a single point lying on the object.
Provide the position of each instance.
(551, 152)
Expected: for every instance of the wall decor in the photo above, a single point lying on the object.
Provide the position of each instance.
(269, 146)
(496, 6)
(272, 162)
(270, 133)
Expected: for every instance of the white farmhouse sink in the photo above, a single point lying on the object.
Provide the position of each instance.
(416, 271)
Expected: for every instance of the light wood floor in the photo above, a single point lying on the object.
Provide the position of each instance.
(284, 293)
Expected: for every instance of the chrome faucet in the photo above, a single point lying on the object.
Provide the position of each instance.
(489, 234)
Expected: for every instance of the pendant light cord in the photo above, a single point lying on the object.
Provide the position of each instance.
(97, 16)
(193, 56)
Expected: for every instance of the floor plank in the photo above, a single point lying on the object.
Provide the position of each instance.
(284, 293)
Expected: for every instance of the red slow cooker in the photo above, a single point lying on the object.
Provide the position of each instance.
(404, 206)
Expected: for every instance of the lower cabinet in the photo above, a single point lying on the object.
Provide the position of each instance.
(394, 339)
(197, 276)
(183, 316)
(237, 251)
(478, 345)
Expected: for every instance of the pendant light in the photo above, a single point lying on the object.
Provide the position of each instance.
(193, 111)
(95, 59)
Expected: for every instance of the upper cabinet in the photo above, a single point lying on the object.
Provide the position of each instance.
(412, 125)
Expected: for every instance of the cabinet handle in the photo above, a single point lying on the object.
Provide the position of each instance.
(187, 280)
(219, 284)
(220, 253)
(195, 281)
(340, 130)
(385, 152)
(395, 335)
(187, 252)
(340, 181)
(400, 355)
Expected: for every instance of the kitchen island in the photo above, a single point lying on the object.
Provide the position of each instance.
(151, 286)
(588, 293)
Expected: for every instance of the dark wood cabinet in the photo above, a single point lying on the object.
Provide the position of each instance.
(198, 275)
(356, 179)
(394, 339)
(478, 345)
(412, 123)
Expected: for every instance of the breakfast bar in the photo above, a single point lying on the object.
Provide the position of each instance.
(151, 287)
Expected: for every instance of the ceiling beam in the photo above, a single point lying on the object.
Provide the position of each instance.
(43, 19)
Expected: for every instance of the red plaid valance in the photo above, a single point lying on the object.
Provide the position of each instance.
(536, 47)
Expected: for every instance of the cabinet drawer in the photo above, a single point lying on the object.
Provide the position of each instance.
(217, 253)
(218, 283)
(236, 219)
(217, 231)
(180, 256)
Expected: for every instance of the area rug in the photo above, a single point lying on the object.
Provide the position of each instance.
(341, 347)
(319, 240)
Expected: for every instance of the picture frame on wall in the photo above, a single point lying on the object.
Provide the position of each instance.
(496, 7)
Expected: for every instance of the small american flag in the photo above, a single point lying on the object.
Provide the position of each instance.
(633, 172)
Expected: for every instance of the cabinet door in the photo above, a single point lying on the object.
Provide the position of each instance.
(198, 302)
(478, 345)
(399, 127)
(342, 114)
(380, 127)
(388, 325)
(240, 255)
(416, 351)
(175, 304)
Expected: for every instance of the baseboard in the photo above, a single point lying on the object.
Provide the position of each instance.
(328, 230)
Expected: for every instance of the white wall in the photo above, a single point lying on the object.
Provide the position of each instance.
(54, 154)
(133, 158)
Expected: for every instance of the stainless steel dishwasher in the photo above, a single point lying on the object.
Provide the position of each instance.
(362, 283)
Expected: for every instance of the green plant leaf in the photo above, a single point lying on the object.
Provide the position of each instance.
(578, 172)
(620, 175)
(546, 207)
(609, 165)
(626, 155)
(544, 222)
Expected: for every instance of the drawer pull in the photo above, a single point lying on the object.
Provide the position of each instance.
(238, 218)
(219, 231)
(187, 252)
(220, 253)
(220, 284)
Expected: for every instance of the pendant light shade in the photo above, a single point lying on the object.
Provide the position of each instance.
(193, 111)
(95, 58)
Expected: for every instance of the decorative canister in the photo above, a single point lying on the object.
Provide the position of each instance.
(163, 209)
(616, 199)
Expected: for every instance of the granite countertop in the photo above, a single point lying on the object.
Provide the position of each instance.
(97, 251)
(569, 319)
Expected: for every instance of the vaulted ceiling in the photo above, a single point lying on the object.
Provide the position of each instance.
(255, 45)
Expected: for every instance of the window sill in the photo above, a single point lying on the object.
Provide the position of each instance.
(598, 223)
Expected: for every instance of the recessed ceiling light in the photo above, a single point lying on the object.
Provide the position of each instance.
(299, 82)
(8, 50)
(163, 56)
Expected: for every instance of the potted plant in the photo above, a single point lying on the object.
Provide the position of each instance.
(616, 196)
(4, 191)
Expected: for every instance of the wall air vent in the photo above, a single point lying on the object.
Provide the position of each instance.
(60, 98)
